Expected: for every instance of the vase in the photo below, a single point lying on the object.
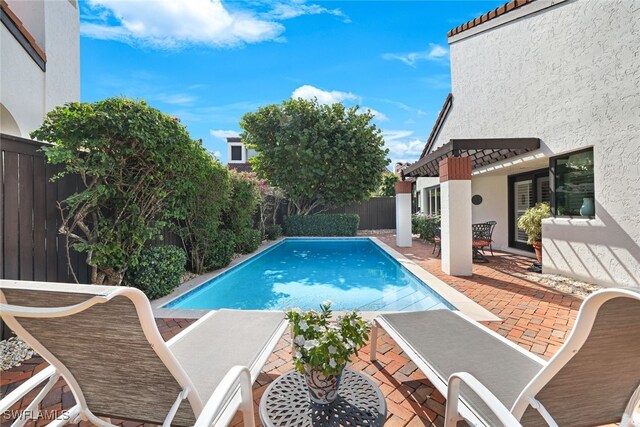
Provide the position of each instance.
(587, 209)
(537, 247)
(322, 390)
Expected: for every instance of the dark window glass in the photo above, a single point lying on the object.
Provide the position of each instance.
(236, 153)
(573, 185)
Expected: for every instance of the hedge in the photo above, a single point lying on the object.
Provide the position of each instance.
(158, 271)
(273, 232)
(221, 252)
(248, 240)
(322, 225)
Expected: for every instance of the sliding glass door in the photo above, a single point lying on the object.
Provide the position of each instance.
(525, 190)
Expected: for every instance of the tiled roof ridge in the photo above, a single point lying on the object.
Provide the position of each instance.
(20, 26)
(501, 10)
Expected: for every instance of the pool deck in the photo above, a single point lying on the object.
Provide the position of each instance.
(533, 316)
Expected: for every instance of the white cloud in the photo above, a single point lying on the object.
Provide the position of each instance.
(402, 145)
(438, 81)
(176, 98)
(171, 24)
(434, 53)
(323, 96)
(217, 154)
(281, 11)
(378, 115)
(224, 134)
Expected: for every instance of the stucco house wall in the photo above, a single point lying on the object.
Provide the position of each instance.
(26, 92)
(568, 75)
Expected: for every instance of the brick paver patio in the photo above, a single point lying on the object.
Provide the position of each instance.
(535, 317)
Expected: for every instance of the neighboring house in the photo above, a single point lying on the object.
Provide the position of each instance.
(238, 155)
(546, 102)
(40, 56)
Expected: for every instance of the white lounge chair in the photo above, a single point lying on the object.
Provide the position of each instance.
(593, 379)
(104, 342)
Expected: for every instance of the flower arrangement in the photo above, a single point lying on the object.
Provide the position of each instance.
(323, 345)
(322, 348)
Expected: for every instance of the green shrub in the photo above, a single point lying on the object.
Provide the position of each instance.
(273, 232)
(202, 196)
(425, 226)
(221, 252)
(158, 270)
(243, 202)
(531, 221)
(248, 240)
(322, 225)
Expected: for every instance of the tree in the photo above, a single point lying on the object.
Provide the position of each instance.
(129, 157)
(204, 195)
(388, 186)
(320, 155)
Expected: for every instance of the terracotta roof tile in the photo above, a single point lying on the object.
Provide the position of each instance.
(20, 26)
(501, 10)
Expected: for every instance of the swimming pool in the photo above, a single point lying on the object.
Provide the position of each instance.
(353, 273)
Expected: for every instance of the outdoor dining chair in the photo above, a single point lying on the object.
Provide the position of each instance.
(593, 379)
(104, 342)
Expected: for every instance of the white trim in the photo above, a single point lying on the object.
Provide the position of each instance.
(243, 151)
(505, 18)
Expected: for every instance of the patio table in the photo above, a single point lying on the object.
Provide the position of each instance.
(286, 402)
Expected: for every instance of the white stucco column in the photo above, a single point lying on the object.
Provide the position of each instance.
(455, 193)
(403, 214)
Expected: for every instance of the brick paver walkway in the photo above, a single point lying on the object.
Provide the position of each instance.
(535, 317)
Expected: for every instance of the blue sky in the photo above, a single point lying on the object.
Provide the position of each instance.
(208, 62)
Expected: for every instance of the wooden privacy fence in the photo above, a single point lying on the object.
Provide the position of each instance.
(377, 213)
(31, 247)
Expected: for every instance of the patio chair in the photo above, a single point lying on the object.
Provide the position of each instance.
(483, 236)
(437, 240)
(104, 342)
(593, 379)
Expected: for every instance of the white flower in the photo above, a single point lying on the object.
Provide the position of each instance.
(310, 344)
(299, 340)
(333, 349)
(303, 325)
(332, 362)
(327, 302)
(298, 355)
(319, 328)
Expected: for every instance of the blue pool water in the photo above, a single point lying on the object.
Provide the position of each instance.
(353, 273)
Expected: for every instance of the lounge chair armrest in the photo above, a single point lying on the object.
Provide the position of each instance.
(49, 373)
(238, 376)
(452, 416)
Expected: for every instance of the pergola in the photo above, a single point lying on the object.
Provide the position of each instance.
(482, 152)
(453, 163)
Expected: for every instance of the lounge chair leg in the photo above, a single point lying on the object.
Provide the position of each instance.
(374, 341)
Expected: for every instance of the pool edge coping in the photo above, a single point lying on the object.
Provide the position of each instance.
(461, 302)
(455, 298)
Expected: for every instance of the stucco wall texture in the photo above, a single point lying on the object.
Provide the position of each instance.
(26, 92)
(570, 75)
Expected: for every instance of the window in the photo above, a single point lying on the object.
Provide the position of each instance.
(236, 153)
(431, 201)
(573, 186)
(418, 200)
